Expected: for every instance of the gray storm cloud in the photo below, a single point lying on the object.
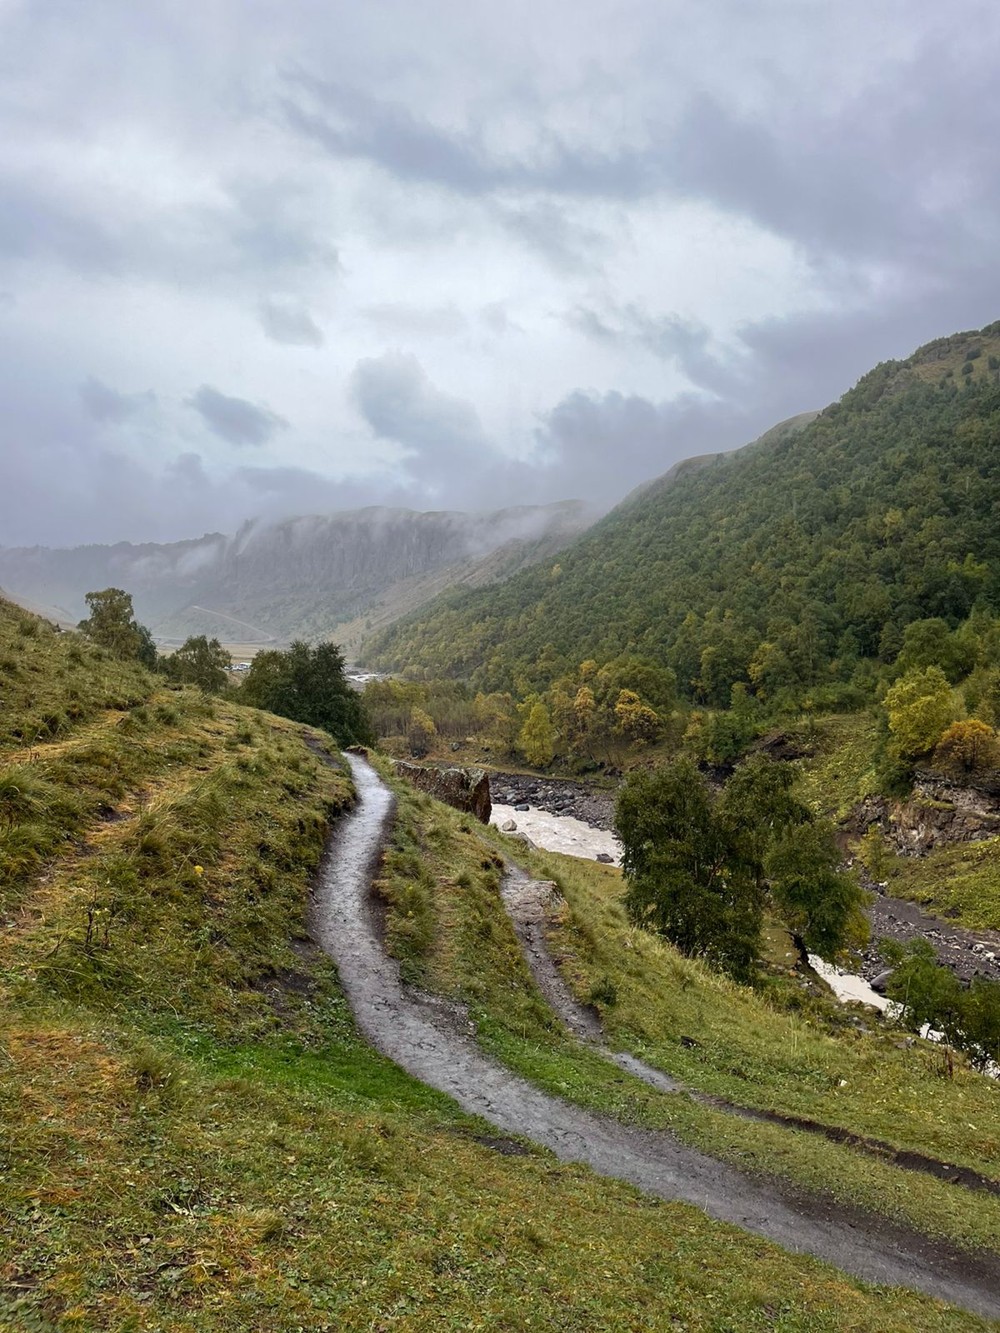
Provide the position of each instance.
(290, 324)
(455, 256)
(395, 397)
(234, 419)
(105, 404)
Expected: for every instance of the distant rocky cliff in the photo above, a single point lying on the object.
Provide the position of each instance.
(301, 577)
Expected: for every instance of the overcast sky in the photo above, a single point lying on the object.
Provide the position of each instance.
(294, 256)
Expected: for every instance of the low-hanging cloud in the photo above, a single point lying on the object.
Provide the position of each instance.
(108, 405)
(290, 324)
(235, 420)
(399, 403)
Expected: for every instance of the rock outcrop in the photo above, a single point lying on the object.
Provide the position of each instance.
(466, 789)
(940, 811)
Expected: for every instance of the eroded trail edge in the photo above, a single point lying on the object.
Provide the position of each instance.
(420, 1033)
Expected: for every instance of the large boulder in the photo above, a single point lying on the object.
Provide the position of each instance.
(466, 789)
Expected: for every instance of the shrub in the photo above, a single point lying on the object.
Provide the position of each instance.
(967, 747)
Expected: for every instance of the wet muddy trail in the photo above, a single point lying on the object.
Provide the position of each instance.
(430, 1039)
(528, 902)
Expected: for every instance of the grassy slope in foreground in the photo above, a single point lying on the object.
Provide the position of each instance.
(192, 1136)
(447, 925)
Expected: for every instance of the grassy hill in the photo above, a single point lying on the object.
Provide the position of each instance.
(192, 1135)
(783, 566)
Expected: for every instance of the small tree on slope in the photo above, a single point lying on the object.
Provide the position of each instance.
(700, 870)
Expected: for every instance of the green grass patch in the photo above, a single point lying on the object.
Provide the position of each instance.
(961, 882)
(716, 1036)
(54, 682)
(143, 1191)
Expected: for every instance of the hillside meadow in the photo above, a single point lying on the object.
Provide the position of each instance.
(194, 1136)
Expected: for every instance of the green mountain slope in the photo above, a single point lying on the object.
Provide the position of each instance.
(785, 563)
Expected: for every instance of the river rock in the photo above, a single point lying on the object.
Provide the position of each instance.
(466, 789)
(523, 837)
(508, 826)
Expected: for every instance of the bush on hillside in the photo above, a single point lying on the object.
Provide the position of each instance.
(307, 684)
(967, 747)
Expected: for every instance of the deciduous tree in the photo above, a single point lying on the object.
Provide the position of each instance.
(966, 747)
(308, 685)
(537, 738)
(113, 625)
(919, 707)
(199, 661)
(700, 870)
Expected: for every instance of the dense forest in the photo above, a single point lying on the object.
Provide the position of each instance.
(790, 568)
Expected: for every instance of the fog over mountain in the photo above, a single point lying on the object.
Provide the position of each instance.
(261, 259)
(345, 574)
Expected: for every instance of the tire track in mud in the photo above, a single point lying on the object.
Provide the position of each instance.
(421, 1034)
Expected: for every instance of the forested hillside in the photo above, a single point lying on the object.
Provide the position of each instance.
(793, 564)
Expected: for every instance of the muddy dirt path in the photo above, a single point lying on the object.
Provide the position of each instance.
(528, 902)
(430, 1039)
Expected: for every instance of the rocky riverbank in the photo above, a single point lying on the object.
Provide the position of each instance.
(966, 952)
(556, 796)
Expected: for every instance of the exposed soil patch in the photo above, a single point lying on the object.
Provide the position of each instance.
(430, 1045)
(107, 814)
(504, 1146)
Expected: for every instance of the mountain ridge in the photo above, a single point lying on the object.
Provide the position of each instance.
(300, 577)
(752, 567)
